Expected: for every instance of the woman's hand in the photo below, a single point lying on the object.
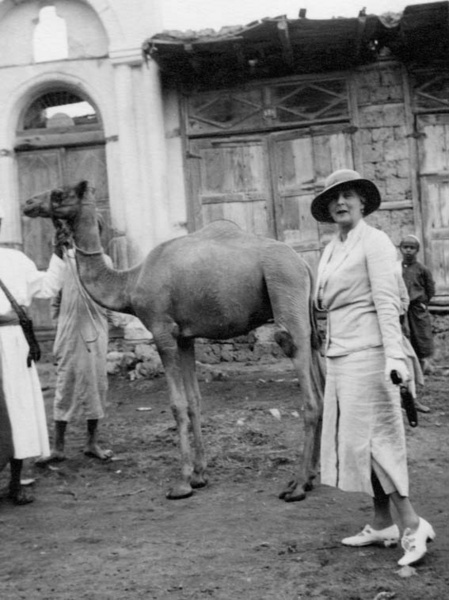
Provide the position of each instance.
(395, 364)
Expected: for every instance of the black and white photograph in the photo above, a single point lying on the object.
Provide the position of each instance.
(224, 300)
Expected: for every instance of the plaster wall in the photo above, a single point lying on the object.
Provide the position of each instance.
(176, 158)
(19, 84)
(105, 63)
(85, 32)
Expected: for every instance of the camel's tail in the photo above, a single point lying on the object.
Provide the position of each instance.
(316, 341)
(316, 338)
(318, 372)
(290, 285)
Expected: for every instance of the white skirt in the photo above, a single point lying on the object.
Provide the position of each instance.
(23, 396)
(363, 427)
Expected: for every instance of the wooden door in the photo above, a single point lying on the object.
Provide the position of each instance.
(39, 171)
(90, 163)
(44, 169)
(229, 179)
(302, 160)
(433, 152)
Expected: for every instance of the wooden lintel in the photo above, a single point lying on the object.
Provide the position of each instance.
(284, 36)
(35, 141)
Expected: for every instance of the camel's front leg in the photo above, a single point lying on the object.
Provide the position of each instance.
(179, 405)
(187, 356)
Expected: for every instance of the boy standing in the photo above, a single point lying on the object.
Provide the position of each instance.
(421, 289)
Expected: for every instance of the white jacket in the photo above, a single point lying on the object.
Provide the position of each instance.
(359, 290)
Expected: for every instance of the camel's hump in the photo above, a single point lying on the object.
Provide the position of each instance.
(219, 229)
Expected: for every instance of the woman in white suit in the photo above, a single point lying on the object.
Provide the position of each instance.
(363, 441)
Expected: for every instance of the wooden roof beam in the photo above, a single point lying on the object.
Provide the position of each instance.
(284, 36)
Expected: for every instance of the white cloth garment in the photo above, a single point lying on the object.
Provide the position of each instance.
(363, 427)
(359, 290)
(80, 349)
(21, 385)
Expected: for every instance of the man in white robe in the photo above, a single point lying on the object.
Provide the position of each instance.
(23, 428)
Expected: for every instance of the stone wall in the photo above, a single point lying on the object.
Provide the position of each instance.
(139, 359)
(384, 149)
(440, 325)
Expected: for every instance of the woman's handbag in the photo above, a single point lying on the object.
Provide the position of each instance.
(27, 326)
(408, 402)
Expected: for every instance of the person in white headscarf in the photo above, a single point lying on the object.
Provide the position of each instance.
(23, 427)
(363, 439)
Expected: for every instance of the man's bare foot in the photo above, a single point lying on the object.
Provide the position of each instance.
(94, 451)
(55, 456)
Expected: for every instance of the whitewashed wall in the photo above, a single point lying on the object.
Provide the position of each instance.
(144, 154)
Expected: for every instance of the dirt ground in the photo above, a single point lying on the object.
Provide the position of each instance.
(105, 531)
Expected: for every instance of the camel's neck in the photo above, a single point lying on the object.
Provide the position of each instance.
(86, 233)
(106, 286)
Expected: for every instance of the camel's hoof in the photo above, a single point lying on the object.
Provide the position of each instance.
(295, 496)
(199, 481)
(288, 489)
(179, 492)
(293, 492)
(308, 487)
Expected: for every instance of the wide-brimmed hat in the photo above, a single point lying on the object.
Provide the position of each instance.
(347, 178)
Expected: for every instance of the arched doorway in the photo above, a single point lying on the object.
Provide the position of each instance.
(59, 141)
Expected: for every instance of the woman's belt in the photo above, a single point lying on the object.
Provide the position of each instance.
(9, 319)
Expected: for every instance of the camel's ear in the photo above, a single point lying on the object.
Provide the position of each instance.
(81, 188)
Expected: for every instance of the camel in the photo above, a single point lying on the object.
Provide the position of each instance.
(216, 283)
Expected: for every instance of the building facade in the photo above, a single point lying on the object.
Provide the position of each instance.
(86, 107)
(175, 130)
(268, 111)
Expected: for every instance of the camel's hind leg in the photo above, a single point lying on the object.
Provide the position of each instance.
(187, 356)
(289, 287)
(304, 359)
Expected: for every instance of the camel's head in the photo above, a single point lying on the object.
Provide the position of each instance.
(38, 206)
(59, 203)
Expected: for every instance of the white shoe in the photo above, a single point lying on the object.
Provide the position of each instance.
(384, 537)
(414, 544)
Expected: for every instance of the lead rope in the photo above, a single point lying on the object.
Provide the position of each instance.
(88, 303)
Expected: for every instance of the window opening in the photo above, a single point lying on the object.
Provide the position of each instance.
(50, 36)
(276, 105)
(60, 109)
(431, 92)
